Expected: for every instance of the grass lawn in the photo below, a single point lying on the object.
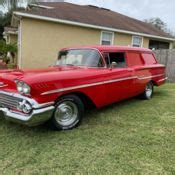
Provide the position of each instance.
(131, 137)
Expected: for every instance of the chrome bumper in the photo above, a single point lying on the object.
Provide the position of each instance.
(37, 117)
(40, 112)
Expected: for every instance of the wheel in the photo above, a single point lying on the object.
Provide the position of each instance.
(148, 93)
(68, 113)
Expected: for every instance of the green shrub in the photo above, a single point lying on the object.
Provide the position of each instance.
(5, 48)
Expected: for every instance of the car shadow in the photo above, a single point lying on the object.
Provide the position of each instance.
(122, 104)
(111, 107)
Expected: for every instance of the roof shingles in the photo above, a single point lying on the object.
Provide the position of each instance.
(96, 16)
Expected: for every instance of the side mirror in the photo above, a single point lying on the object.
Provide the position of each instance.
(113, 65)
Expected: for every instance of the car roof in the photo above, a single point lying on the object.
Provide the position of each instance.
(110, 48)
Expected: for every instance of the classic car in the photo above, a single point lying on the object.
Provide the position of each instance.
(82, 77)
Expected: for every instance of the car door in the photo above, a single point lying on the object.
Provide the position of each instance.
(136, 62)
(120, 79)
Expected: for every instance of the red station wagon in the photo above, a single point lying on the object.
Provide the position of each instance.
(82, 76)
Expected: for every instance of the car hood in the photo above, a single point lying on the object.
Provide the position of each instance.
(49, 78)
(34, 74)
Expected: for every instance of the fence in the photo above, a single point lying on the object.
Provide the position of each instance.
(167, 57)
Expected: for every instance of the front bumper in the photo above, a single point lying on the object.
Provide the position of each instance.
(40, 112)
(37, 117)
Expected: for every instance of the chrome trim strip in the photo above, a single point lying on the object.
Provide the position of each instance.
(155, 76)
(43, 105)
(99, 83)
(163, 79)
(87, 85)
(5, 85)
(2, 84)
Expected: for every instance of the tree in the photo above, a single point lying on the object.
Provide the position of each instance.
(5, 19)
(1, 13)
(8, 6)
(157, 22)
(1, 24)
(11, 5)
(8, 48)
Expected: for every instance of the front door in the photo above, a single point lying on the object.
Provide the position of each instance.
(120, 79)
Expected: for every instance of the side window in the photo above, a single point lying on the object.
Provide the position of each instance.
(117, 57)
(135, 59)
(149, 58)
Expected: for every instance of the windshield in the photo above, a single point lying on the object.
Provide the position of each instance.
(81, 57)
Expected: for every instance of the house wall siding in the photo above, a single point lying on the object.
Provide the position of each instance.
(41, 41)
(122, 39)
(171, 45)
(146, 42)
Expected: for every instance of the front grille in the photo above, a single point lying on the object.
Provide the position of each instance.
(7, 101)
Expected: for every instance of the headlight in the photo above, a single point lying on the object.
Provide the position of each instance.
(26, 89)
(22, 87)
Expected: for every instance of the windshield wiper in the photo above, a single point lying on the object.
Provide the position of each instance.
(70, 65)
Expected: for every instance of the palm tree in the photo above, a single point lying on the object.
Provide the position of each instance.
(11, 5)
(8, 7)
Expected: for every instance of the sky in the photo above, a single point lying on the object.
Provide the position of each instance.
(140, 9)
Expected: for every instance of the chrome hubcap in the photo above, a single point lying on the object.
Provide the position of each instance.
(149, 90)
(66, 113)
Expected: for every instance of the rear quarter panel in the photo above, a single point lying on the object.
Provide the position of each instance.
(146, 69)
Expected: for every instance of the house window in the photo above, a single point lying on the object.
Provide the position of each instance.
(107, 38)
(137, 41)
